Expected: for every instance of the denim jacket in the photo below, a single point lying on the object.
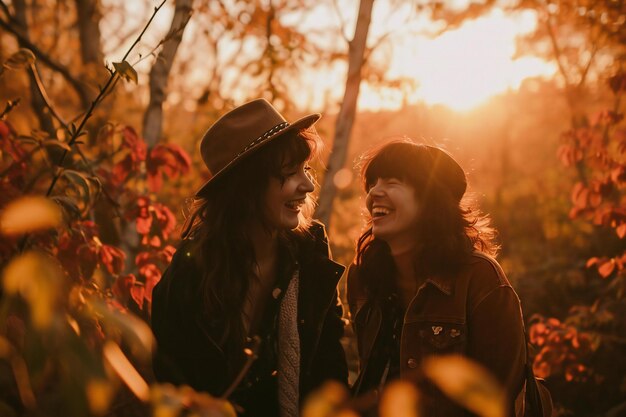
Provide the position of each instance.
(475, 313)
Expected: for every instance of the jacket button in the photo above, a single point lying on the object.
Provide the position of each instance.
(412, 363)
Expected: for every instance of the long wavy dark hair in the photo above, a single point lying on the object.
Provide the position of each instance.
(449, 227)
(217, 229)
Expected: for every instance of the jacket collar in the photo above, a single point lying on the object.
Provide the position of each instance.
(442, 283)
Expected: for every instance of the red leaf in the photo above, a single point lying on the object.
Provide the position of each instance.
(121, 170)
(621, 230)
(606, 268)
(112, 258)
(579, 195)
(595, 199)
(155, 182)
(592, 261)
(144, 224)
(121, 287)
(618, 175)
(4, 130)
(138, 147)
(169, 159)
(152, 275)
(137, 292)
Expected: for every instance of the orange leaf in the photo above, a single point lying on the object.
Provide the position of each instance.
(579, 195)
(621, 230)
(592, 261)
(606, 268)
(29, 214)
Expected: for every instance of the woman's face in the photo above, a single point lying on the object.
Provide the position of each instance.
(284, 199)
(394, 209)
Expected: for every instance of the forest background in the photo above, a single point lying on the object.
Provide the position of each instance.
(103, 106)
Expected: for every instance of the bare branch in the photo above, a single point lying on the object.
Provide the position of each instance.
(342, 21)
(103, 91)
(48, 61)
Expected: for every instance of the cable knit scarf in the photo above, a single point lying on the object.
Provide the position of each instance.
(289, 351)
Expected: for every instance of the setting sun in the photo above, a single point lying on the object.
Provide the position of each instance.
(464, 67)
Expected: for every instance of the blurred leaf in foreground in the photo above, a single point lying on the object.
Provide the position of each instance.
(125, 370)
(29, 214)
(38, 280)
(135, 332)
(99, 395)
(399, 399)
(170, 401)
(467, 383)
(326, 401)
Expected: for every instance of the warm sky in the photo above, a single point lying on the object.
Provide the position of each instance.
(461, 68)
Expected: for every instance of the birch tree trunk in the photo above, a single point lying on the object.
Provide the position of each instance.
(153, 118)
(345, 119)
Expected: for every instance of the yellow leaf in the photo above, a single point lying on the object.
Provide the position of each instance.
(39, 281)
(125, 370)
(99, 394)
(399, 399)
(126, 70)
(28, 214)
(467, 383)
(325, 401)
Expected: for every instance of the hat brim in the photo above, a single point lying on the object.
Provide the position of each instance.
(303, 123)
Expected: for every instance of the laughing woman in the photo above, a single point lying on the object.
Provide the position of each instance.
(252, 267)
(425, 282)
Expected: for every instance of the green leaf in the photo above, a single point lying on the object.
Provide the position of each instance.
(126, 70)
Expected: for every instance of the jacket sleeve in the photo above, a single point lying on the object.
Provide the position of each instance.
(496, 338)
(185, 352)
(330, 358)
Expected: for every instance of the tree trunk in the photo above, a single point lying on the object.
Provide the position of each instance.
(39, 106)
(153, 118)
(88, 23)
(345, 118)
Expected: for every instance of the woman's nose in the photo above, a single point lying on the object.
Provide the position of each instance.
(376, 189)
(306, 184)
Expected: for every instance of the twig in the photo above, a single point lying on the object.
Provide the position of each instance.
(10, 105)
(103, 92)
(45, 58)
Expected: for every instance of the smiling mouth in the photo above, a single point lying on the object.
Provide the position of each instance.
(295, 204)
(378, 212)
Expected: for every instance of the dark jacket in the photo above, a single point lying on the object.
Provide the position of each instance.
(475, 313)
(188, 351)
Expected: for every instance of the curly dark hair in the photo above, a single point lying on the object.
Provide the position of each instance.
(449, 228)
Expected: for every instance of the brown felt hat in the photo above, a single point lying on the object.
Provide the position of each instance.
(242, 131)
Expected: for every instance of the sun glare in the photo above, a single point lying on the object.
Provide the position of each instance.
(463, 68)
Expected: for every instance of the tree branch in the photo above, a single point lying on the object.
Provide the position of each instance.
(43, 57)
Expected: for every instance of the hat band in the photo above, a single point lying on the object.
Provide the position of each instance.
(263, 137)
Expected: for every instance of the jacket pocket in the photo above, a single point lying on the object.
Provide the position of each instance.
(438, 338)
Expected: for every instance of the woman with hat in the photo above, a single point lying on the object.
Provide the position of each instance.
(248, 308)
(424, 281)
